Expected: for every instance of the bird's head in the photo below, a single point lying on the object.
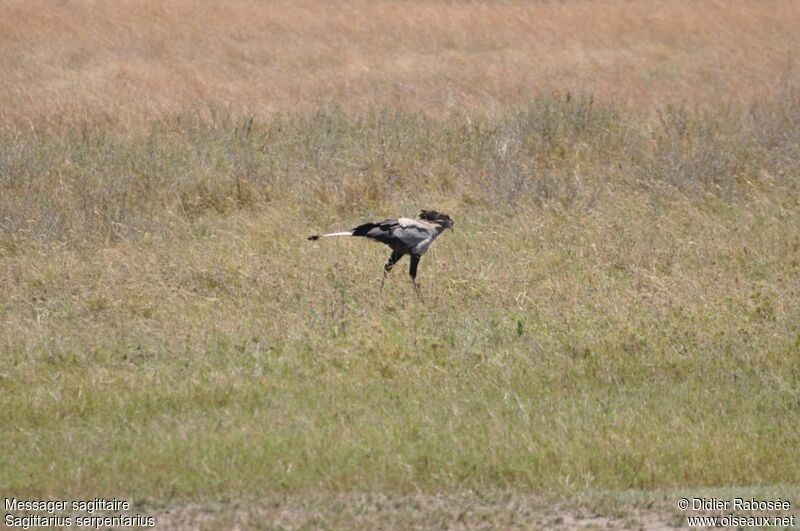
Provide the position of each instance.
(437, 218)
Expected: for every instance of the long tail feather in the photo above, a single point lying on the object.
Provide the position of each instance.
(318, 236)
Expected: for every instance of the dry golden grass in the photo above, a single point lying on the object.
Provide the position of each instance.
(131, 61)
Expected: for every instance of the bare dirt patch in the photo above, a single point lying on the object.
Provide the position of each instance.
(467, 510)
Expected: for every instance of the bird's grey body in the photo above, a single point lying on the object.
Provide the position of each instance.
(403, 235)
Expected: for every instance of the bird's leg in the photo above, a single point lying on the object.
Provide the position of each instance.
(412, 271)
(396, 255)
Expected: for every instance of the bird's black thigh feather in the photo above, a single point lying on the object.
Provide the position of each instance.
(393, 259)
(412, 269)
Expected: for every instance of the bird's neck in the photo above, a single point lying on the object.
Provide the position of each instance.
(438, 228)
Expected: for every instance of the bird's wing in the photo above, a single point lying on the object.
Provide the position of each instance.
(381, 231)
(415, 224)
(412, 232)
(404, 231)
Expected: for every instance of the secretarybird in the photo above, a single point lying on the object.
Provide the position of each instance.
(404, 236)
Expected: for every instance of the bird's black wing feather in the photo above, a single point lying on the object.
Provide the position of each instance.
(382, 231)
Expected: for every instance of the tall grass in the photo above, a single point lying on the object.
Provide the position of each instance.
(616, 308)
(89, 183)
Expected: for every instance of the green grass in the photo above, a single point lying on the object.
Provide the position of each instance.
(617, 307)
